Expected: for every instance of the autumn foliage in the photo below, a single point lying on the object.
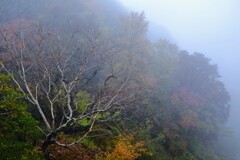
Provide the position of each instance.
(125, 149)
(88, 76)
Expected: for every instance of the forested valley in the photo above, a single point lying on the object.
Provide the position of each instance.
(79, 79)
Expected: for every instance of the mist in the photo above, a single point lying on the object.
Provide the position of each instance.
(209, 27)
(119, 79)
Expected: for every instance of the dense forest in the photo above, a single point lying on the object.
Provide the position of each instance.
(80, 80)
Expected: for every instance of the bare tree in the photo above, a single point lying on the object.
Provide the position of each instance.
(51, 70)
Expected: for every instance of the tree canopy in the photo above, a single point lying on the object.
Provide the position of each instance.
(84, 84)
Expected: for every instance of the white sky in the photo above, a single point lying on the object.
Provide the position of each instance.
(192, 19)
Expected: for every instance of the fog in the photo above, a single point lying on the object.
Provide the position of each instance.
(120, 79)
(209, 27)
